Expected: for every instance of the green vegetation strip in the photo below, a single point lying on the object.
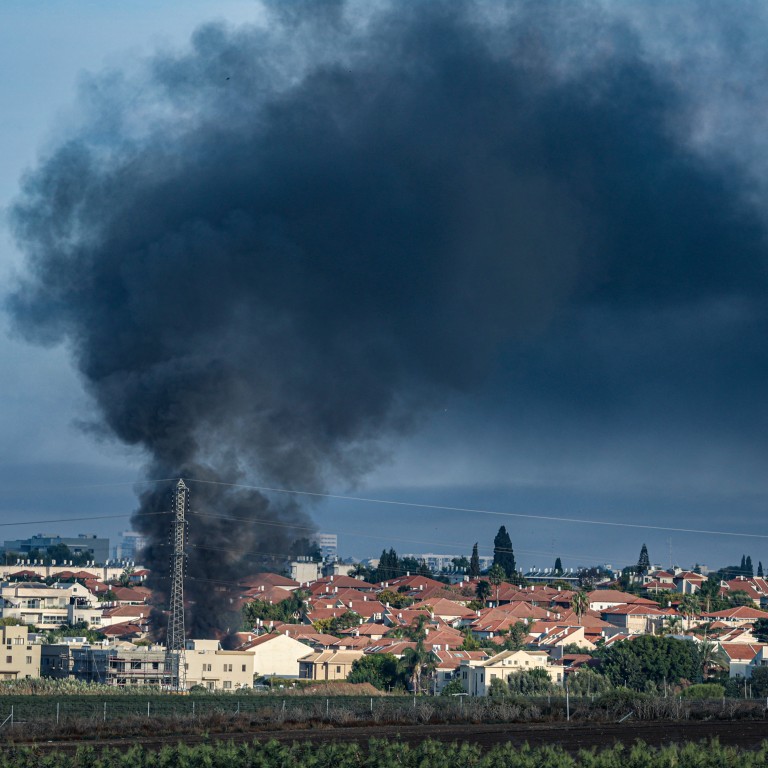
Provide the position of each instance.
(388, 754)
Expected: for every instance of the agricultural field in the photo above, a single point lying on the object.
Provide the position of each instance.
(389, 753)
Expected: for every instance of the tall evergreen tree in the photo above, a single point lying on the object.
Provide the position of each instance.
(743, 566)
(748, 569)
(502, 552)
(760, 568)
(643, 562)
(474, 563)
(558, 567)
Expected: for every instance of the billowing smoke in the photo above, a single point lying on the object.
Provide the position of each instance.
(272, 250)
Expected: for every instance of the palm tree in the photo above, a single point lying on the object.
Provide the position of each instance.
(689, 606)
(359, 571)
(417, 662)
(711, 657)
(416, 631)
(483, 591)
(496, 575)
(580, 604)
(674, 623)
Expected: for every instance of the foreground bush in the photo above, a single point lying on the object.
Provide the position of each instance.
(386, 754)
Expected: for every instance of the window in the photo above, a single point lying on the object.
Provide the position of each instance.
(29, 659)
(155, 665)
(227, 684)
(243, 667)
(207, 668)
(227, 667)
(9, 659)
(135, 665)
(338, 670)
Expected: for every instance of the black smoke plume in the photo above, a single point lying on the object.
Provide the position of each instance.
(272, 250)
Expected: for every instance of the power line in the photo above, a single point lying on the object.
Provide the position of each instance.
(430, 542)
(77, 519)
(472, 510)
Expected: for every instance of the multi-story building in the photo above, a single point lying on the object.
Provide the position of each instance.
(48, 607)
(129, 546)
(328, 543)
(19, 658)
(94, 547)
(208, 665)
(79, 660)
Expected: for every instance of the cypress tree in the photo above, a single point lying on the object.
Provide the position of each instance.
(474, 563)
(743, 566)
(558, 566)
(748, 569)
(760, 568)
(643, 562)
(502, 552)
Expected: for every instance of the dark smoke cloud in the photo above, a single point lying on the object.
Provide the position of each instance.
(272, 250)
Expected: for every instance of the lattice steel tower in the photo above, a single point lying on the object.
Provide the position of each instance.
(175, 640)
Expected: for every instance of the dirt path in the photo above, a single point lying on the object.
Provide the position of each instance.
(747, 734)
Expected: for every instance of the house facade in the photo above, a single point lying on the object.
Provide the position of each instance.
(477, 675)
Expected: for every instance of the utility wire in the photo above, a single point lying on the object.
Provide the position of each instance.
(472, 510)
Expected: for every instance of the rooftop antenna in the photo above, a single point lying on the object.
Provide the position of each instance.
(175, 640)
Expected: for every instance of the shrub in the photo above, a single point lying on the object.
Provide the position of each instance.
(704, 691)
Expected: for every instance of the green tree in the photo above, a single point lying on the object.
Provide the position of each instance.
(588, 682)
(740, 597)
(761, 630)
(650, 658)
(748, 569)
(709, 595)
(474, 563)
(643, 562)
(287, 611)
(558, 567)
(125, 576)
(453, 688)
(460, 563)
(360, 571)
(759, 682)
(496, 577)
(515, 636)
(689, 607)
(395, 599)
(580, 604)
(760, 569)
(531, 682)
(503, 555)
(418, 664)
(483, 591)
(381, 670)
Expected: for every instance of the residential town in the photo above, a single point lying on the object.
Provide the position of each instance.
(466, 629)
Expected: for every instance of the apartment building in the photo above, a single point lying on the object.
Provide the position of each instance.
(208, 665)
(19, 658)
(48, 607)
